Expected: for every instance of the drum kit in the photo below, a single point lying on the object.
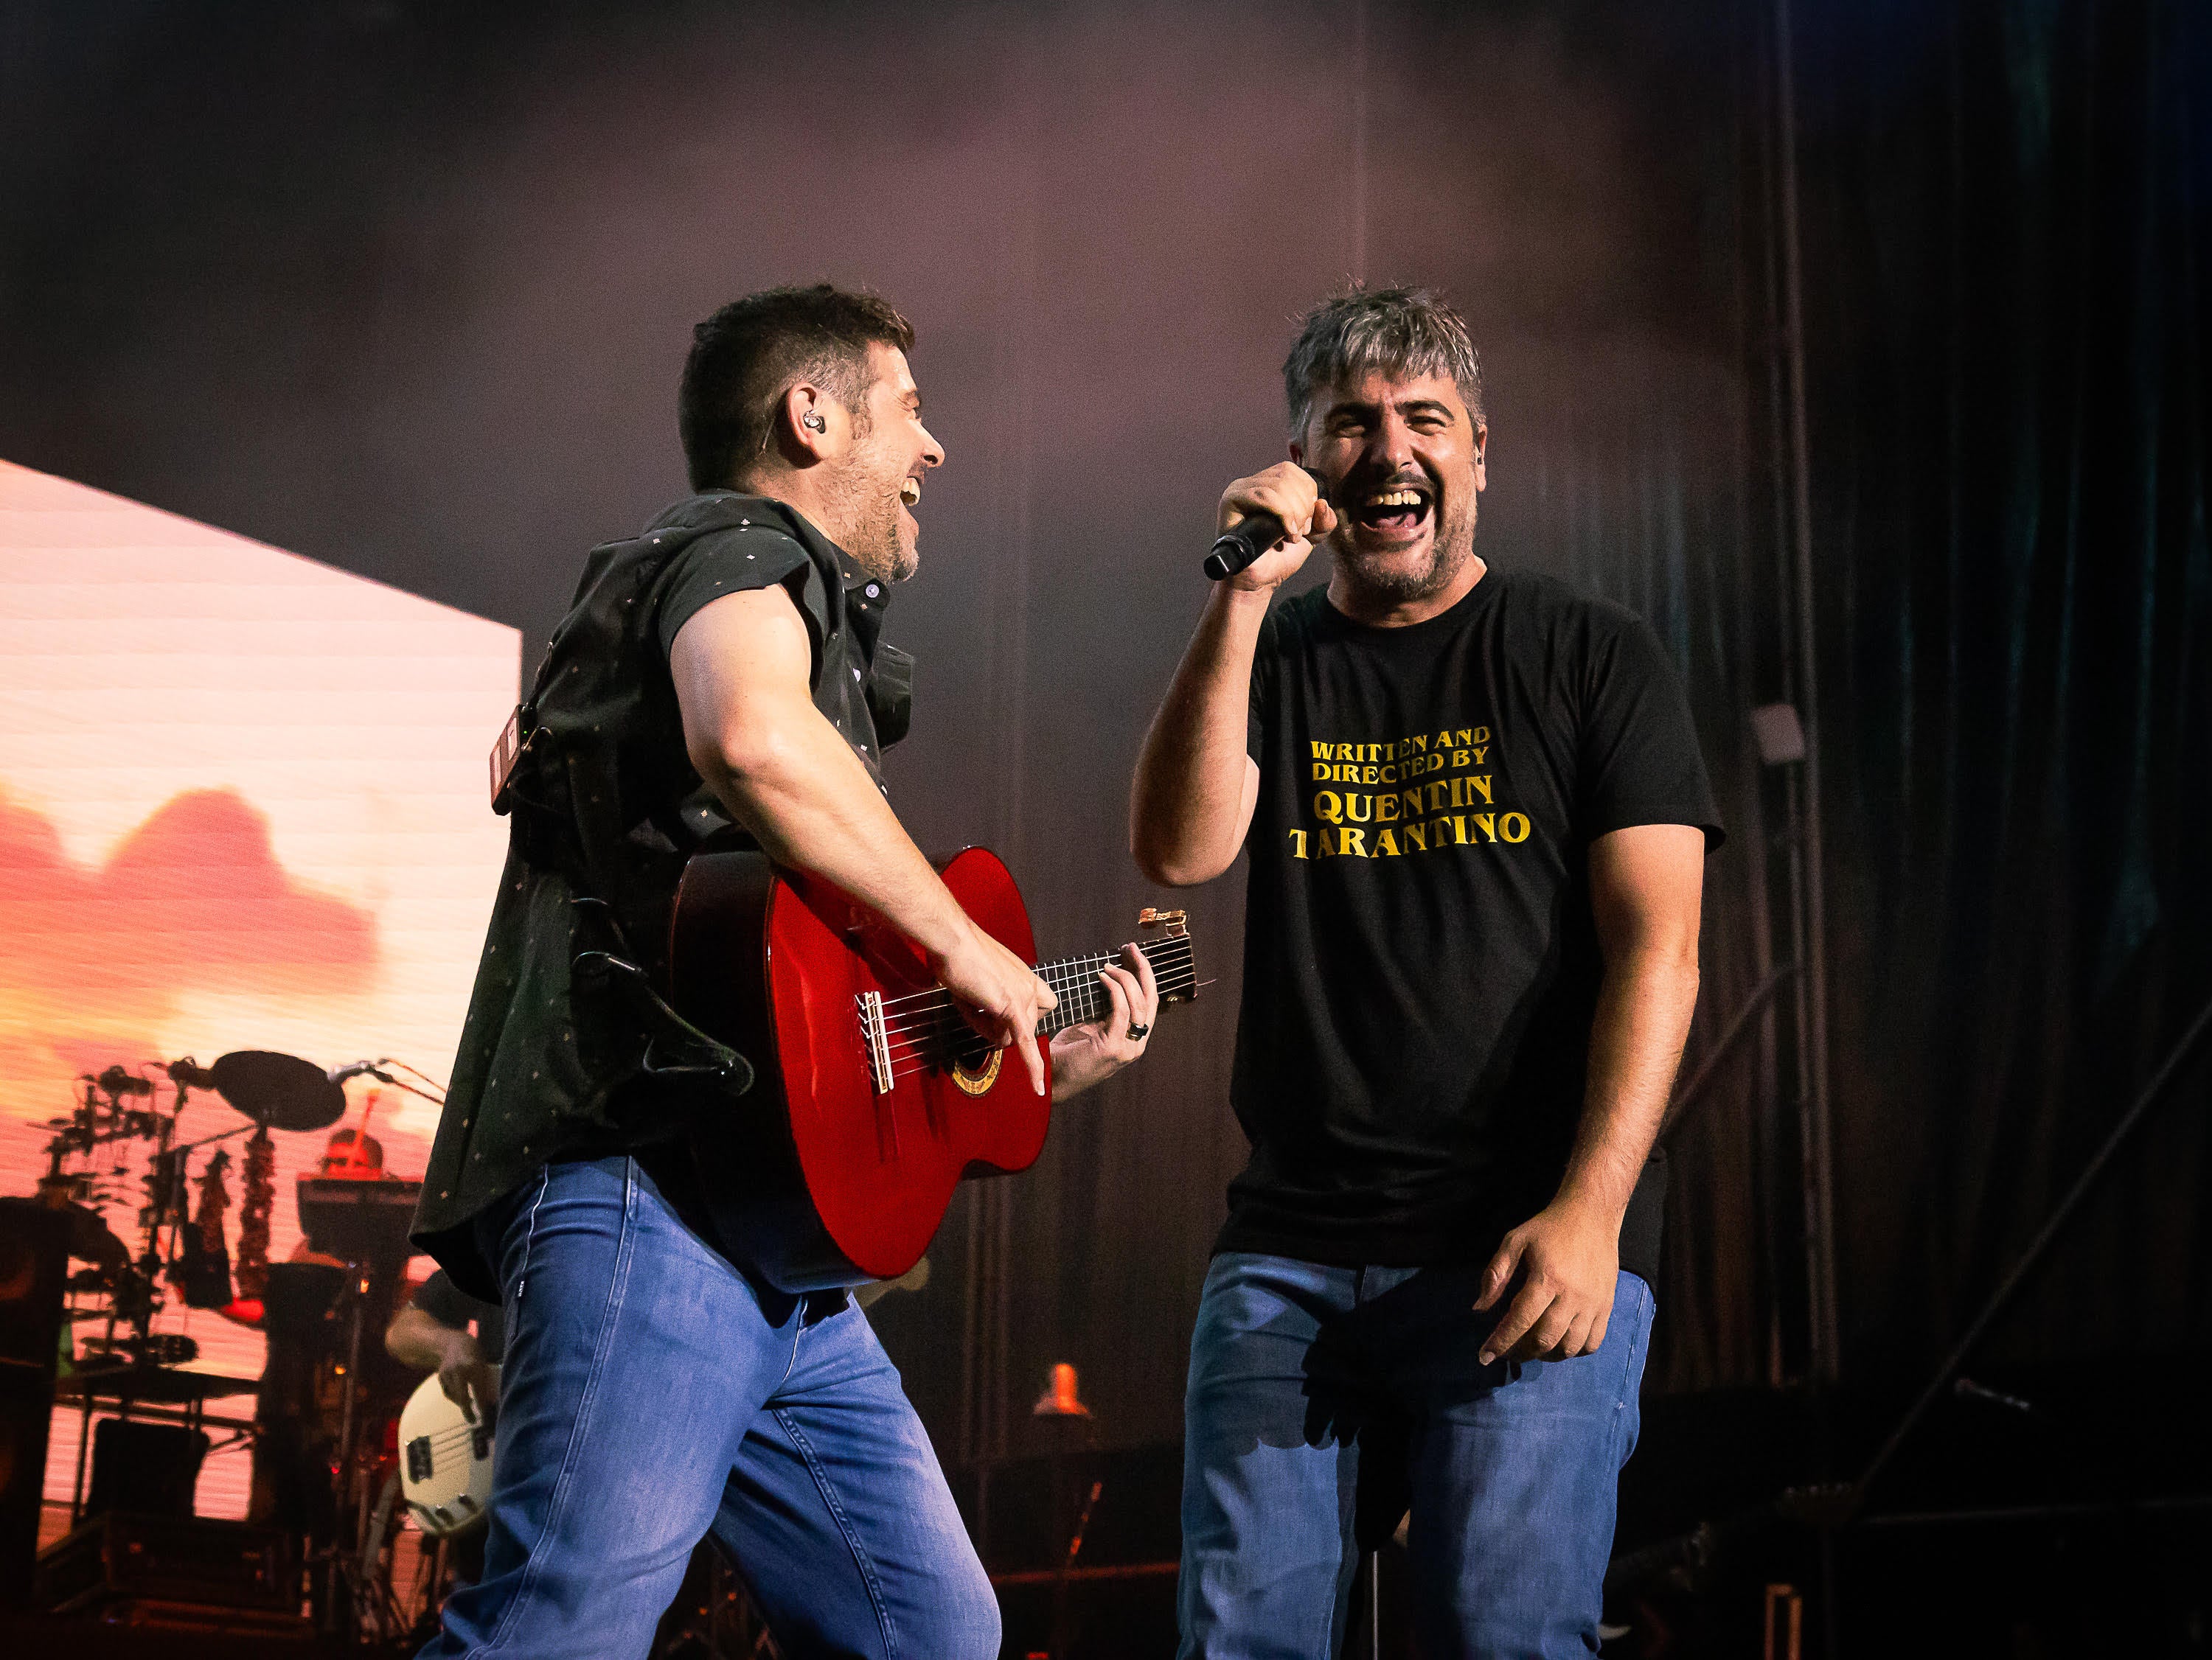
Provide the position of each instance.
(322, 1314)
(86, 1175)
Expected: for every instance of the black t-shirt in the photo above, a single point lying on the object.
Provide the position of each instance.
(1421, 967)
(606, 806)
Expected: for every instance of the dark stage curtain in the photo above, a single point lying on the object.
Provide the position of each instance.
(1647, 506)
(2004, 213)
(2003, 220)
(2005, 208)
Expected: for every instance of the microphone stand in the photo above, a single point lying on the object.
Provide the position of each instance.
(1831, 1508)
(1854, 1497)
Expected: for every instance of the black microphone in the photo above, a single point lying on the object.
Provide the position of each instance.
(1251, 537)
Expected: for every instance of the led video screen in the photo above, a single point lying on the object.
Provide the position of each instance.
(242, 807)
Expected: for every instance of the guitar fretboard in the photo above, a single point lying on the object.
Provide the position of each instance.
(1082, 995)
(923, 1029)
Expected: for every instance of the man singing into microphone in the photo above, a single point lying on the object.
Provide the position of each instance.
(1477, 819)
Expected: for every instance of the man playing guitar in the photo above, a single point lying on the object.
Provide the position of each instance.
(723, 672)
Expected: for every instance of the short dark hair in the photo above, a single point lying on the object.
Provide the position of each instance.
(1400, 332)
(746, 356)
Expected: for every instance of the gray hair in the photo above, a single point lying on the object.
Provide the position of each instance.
(1400, 331)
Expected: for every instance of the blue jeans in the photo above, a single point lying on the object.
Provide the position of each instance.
(652, 1394)
(1326, 1403)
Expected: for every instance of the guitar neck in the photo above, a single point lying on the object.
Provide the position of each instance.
(922, 1031)
(1083, 994)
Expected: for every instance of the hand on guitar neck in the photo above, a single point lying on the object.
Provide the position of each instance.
(1095, 1050)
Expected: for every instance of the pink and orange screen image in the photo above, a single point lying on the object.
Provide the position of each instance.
(242, 807)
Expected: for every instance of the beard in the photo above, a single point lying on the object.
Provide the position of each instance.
(869, 517)
(1448, 553)
(878, 542)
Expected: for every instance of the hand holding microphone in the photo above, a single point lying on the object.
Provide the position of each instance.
(1286, 505)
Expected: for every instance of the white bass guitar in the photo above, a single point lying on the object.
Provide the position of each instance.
(444, 1462)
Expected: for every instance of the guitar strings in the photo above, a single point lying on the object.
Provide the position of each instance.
(1077, 1003)
(1088, 1005)
(1148, 946)
(912, 1069)
(463, 1428)
(1081, 1004)
(952, 1043)
(917, 1052)
(1062, 976)
(1084, 990)
(917, 1033)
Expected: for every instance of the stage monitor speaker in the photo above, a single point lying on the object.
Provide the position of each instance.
(33, 1264)
(110, 1566)
(148, 1468)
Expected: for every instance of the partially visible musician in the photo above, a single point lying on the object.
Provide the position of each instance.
(349, 1154)
(1477, 820)
(441, 1329)
(299, 1406)
(726, 666)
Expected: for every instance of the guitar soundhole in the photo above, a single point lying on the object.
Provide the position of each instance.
(976, 1068)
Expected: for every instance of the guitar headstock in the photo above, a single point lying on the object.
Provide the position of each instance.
(1165, 938)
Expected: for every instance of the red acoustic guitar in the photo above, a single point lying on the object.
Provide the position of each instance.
(873, 1097)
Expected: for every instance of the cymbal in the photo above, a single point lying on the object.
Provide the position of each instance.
(106, 1379)
(281, 1092)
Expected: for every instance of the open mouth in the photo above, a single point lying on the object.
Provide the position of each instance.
(1399, 510)
(910, 490)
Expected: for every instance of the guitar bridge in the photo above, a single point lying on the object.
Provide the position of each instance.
(879, 1041)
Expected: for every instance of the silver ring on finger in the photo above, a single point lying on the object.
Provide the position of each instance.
(1136, 1032)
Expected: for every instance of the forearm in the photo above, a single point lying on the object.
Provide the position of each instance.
(1644, 1004)
(1187, 801)
(414, 1339)
(805, 797)
(1646, 883)
(1072, 1075)
(741, 668)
